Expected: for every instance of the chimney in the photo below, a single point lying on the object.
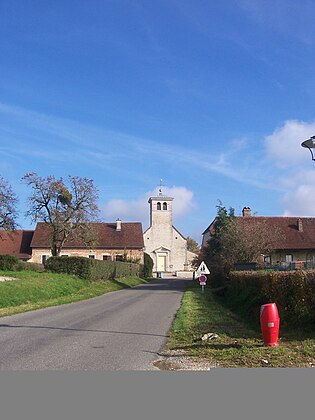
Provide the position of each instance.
(118, 225)
(300, 225)
(247, 212)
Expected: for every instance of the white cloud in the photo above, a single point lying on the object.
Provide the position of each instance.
(297, 171)
(300, 201)
(138, 209)
(284, 144)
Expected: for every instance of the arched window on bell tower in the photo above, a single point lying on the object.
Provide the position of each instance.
(158, 206)
(164, 206)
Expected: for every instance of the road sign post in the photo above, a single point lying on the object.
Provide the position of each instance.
(202, 282)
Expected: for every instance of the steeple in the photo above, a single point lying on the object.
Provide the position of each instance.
(161, 211)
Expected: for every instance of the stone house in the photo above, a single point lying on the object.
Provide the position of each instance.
(113, 241)
(294, 244)
(163, 242)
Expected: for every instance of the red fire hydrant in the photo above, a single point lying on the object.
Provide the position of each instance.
(270, 323)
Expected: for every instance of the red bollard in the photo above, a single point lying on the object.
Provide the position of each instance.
(270, 323)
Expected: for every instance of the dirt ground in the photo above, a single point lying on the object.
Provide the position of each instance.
(177, 360)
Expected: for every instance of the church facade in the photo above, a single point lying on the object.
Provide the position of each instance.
(163, 242)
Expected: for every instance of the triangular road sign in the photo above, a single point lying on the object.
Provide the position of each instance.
(202, 269)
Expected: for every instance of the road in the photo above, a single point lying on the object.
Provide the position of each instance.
(122, 330)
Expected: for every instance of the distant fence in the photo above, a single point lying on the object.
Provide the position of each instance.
(282, 266)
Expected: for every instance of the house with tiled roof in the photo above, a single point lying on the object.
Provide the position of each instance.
(112, 242)
(16, 243)
(294, 242)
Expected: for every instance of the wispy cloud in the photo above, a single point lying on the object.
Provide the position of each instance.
(282, 16)
(107, 148)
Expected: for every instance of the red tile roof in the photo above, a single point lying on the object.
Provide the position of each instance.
(130, 236)
(16, 242)
(289, 237)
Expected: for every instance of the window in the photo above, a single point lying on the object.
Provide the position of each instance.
(267, 259)
(289, 258)
(106, 258)
(92, 257)
(164, 206)
(45, 258)
(158, 206)
(119, 257)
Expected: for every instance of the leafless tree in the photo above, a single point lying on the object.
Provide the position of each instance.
(68, 208)
(8, 203)
(192, 245)
(247, 240)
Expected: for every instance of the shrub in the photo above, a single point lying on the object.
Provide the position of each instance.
(292, 291)
(91, 269)
(8, 262)
(28, 266)
(147, 267)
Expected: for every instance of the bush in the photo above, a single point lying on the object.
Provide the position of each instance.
(91, 269)
(28, 266)
(147, 267)
(8, 262)
(292, 291)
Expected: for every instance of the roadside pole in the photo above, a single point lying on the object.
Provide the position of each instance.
(203, 282)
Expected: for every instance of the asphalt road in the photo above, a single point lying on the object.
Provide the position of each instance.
(122, 330)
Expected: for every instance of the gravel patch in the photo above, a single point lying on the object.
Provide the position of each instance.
(178, 360)
(6, 278)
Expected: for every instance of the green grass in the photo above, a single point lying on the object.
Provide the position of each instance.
(239, 342)
(33, 290)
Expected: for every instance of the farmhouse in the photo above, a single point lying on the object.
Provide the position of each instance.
(294, 244)
(113, 241)
(163, 242)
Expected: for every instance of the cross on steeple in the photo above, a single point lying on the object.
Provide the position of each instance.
(160, 189)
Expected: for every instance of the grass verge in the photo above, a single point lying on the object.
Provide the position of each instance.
(239, 342)
(32, 290)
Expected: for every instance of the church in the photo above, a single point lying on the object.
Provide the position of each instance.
(164, 243)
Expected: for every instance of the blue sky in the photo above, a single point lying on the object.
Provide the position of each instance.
(212, 97)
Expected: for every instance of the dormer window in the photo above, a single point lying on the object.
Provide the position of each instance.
(164, 206)
(158, 206)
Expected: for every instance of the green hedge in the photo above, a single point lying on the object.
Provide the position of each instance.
(8, 262)
(292, 291)
(28, 266)
(91, 269)
(147, 267)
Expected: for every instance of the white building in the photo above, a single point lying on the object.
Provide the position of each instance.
(163, 242)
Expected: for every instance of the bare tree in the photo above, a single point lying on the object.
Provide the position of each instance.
(67, 208)
(247, 239)
(238, 239)
(8, 203)
(192, 245)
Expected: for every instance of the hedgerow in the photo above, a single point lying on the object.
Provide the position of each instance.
(91, 269)
(292, 291)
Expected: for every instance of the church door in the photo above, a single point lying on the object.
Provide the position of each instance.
(161, 262)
